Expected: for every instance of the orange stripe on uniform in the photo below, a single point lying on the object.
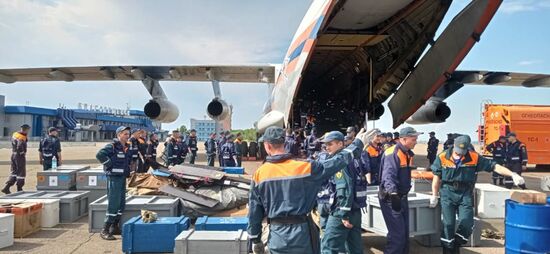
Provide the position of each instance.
(285, 170)
(372, 151)
(403, 162)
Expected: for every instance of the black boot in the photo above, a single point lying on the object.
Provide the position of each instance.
(105, 233)
(115, 227)
(6, 190)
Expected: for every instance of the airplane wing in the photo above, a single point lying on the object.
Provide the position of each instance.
(460, 78)
(256, 74)
(501, 78)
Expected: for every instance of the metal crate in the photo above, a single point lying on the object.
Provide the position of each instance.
(73, 205)
(423, 220)
(94, 181)
(212, 242)
(56, 180)
(164, 206)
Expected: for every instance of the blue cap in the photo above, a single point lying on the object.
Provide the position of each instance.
(273, 135)
(461, 145)
(333, 135)
(121, 129)
(409, 132)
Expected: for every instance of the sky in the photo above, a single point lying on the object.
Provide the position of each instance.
(55, 33)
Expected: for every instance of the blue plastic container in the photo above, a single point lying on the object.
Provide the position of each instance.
(234, 170)
(158, 236)
(221, 223)
(548, 200)
(527, 228)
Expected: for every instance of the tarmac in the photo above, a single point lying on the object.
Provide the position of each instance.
(74, 237)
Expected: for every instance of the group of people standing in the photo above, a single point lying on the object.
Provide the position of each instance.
(227, 149)
(342, 170)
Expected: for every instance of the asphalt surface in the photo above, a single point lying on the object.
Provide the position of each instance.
(74, 237)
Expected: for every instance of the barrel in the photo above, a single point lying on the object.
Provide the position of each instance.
(527, 228)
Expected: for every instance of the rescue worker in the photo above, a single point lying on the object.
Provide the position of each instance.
(220, 142)
(18, 170)
(183, 149)
(291, 146)
(516, 158)
(395, 137)
(142, 151)
(395, 185)
(210, 146)
(116, 158)
(239, 148)
(228, 152)
(455, 173)
(325, 197)
(343, 227)
(310, 124)
(389, 141)
(449, 142)
(151, 153)
(433, 144)
(373, 156)
(133, 146)
(382, 139)
(312, 144)
(49, 148)
(281, 191)
(192, 144)
(498, 150)
(172, 149)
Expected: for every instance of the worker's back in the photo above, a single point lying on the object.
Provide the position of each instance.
(287, 187)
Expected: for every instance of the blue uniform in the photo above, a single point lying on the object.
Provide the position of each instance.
(312, 145)
(284, 190)
(151, 155)
(498, 150)
(516, 158)
(351, 190)
(396, 178)
(192, 144)
(172, 151)
(374, 153)
(291, 146)
(49, 147)
(220, 142)
(458, 179)
(228, 154)
(433, 143)
(325, 197)
(210, 146)
(116, 159)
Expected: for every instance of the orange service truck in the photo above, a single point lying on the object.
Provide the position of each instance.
(531, 123)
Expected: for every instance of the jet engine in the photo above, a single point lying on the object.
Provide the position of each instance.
(218, 109)
(161, 110)
(434, 111)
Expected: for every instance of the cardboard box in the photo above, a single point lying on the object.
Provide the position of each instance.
(528, 197)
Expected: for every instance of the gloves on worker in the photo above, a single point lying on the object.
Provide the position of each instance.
(395, 202)
(433, 201)
(367, 136)
(258, 248)
(518, 180)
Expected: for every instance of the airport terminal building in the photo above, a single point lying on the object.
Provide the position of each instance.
(82, 124)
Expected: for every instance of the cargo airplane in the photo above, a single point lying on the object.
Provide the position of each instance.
(346, 59)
